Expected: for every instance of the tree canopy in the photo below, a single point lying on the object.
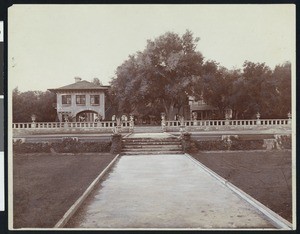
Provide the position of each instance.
(158, 78)
(39, 103)
(169, 69)
(255, 88)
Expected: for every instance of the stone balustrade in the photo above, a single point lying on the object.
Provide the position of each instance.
(191, 125)
(57, 125)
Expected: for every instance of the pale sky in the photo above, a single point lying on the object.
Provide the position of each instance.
(51, 44)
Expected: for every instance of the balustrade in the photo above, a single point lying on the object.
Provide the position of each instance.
(55, 125)
(176, 124)
(238, 123)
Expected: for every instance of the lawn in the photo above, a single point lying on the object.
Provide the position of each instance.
(46, 185)
(265, 175)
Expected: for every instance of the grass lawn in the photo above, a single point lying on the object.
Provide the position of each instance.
(45, 186)
(265, 175)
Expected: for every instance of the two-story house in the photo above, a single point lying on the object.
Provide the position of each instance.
(203, 110)
(80, 101)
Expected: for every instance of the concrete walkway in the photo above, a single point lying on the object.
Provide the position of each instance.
(165, 191)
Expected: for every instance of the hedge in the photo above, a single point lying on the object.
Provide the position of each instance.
(67, 145)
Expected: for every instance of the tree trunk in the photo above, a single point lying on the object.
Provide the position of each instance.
(169, 109)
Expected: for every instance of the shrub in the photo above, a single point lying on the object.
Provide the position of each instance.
(232, 144)
(284, 141)
(67, 145)
(20, 147)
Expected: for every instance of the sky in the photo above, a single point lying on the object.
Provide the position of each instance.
(49, 45)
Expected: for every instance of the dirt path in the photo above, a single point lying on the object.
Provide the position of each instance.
(266, 176)
(45, 185)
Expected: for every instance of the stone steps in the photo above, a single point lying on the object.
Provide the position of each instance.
(158, 146)
(147, 129)
(151, 152)
(148, 145)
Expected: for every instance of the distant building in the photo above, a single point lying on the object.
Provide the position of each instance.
(82, 101)
(203, 110)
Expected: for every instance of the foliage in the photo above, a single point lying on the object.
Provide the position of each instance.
(159, 78)
(68, 145)
(162, 76)
(39, 103)
(20, 147)
(254, 89)
(235, 144)
(96, 81)
(284, 141)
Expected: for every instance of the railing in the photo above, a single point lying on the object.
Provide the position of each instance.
(246, 122)
(55, 125)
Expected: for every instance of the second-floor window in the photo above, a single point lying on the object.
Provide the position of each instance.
(95, 100)
(66, 99)
(80, 99)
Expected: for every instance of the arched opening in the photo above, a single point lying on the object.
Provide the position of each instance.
(88, 116)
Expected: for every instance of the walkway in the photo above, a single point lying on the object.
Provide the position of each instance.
(164, 191)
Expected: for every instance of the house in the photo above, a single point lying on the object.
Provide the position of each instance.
(82, 101)
(201, 109)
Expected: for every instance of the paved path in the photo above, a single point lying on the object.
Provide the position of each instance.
(164, 191)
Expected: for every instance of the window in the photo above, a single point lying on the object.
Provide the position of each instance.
(95, 100)
(66, 99)
(80, 99)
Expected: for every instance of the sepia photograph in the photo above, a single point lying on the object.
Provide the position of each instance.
(151, 117)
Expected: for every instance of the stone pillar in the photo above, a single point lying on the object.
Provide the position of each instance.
(116, 144)
(163, 122)
(186, 141)
(182, 126)
(33, 118)
(257, 119)
(290, 118)
(194, 117)
(131, 123)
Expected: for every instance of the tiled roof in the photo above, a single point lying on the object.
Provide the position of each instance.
(81, 85)
(201, 107)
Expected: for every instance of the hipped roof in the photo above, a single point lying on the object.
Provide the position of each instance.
(79, 86)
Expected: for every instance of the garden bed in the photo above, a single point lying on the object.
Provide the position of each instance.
(242, 143)
(67, 145)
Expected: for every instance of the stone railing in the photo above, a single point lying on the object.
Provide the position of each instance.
(191, 125)
(55, 125)
(20, 129)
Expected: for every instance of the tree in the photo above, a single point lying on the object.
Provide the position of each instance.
(160, 77)
(96, 81)
(282, 81)
(25, 104)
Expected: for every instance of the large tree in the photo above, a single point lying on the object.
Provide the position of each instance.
(160, 77)
(41, 104)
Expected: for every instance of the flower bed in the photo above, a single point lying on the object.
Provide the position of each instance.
(233, 143)
(67, 145)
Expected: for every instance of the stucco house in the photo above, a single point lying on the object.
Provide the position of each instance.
(82, 101)
(201, 108)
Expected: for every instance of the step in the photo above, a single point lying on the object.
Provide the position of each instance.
(152, 146)
(151, 140)
(151, 152)
(152, 143)
(150, 149)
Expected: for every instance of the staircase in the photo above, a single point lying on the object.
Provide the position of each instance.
(150, 145)
(147, 129)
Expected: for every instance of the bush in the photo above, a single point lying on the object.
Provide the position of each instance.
(233, 144)
(284, 141)
(20, 147)
(68, 145)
